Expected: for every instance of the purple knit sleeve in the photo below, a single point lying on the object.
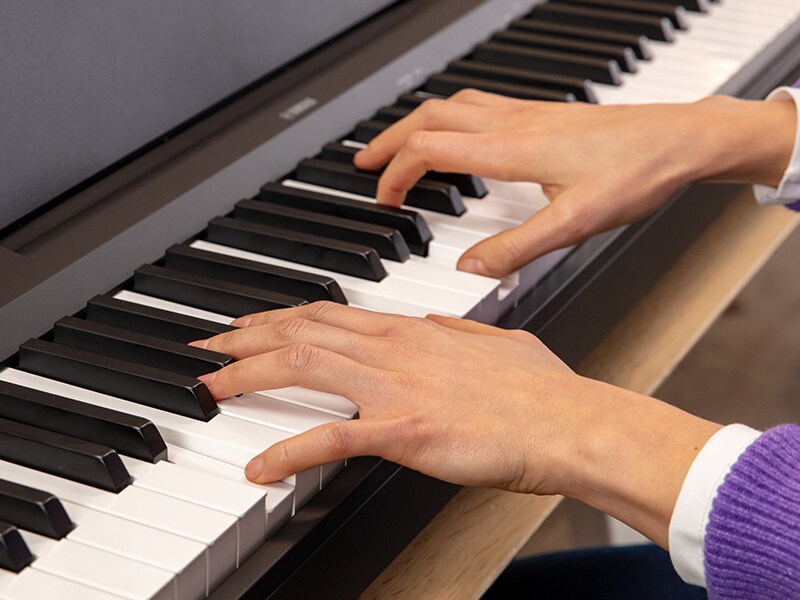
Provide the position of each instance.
(752, 542)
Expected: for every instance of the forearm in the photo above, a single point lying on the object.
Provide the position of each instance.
(632, 456)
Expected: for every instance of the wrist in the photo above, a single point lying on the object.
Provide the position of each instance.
(740, 141)
(632, 457)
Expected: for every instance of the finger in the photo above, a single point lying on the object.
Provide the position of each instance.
(432, 115)
(479, 98)
(572, 218)
(318, 446)
(449, 152)
(357, 320)
(250, 341)
(298, 364)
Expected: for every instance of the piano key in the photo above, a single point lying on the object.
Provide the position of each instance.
(102, 570)
(14, 553)
(34, 510)
(392, 295)
(180, 394)
(174, 307)
(288, 281)
(62, 455)
(656, 28)
(342, 257)
(432, 195)
(215, 530)
(207, 293)
(623, 54)
(184, 558)
(151, 321)
(368, 130)
(414, 99)
(35, 585)
(242, 502)
(468, 185)
(136, 347)
(693, 5)
(124, 433)
(602, 70)
(279, 503)
(676, 14)
(387, 242)
(409, 223)
(581, 88)
(640, 44)
(389, 114)
(230, 440)
(272, 412)
(336, 405)
(448, 84)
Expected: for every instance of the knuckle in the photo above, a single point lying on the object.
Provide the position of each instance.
(339, 439)
(466, 95)
(512, 248)
(291, 329)
(318, 310)
(417, 142)
(431, 108)
(302, 357)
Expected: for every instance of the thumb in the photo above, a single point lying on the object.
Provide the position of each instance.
(318, 446)
(571, 218)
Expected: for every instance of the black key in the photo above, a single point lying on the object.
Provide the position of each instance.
(468, 185)
(152, 321)
(302, 248)
(127, 434)
(308, 286)
(582, 88)
(448, 84)
(137, 347)
(676, 14)
(413, 100)
(638, 43)
(657, 28)
(64, 456)
(602, 70)
(366, 131)
(693, 5)
(624, 55)
(153, 387)
(207, 293)
(392, 114)
(33, 510)
(387, 242)
(438, 197)
(14, 552)
(411, 224)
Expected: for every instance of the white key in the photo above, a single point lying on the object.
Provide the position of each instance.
(243, 503)
(272, 412)
(216, 531)
(391, 295)
(331, 403)
(184, 558)
(36, 585)
(190, 311)
(98, 569)
(280, 496)
(230, 440)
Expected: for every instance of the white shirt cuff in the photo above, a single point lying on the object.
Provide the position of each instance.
(788, 190)
(687, 527)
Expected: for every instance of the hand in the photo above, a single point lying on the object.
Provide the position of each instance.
(464, 402)
(600, 166)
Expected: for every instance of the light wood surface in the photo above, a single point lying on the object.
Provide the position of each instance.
(460, 553)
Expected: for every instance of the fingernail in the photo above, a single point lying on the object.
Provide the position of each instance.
(208, 378)
(473, 265)
(254, 468)
(242, 321)
(199, 343)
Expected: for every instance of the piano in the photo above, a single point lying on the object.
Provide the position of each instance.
(119, 475)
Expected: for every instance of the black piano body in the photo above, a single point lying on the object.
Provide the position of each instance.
(90, 241)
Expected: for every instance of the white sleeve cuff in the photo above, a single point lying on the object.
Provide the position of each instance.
(788, 190)
(687, 527)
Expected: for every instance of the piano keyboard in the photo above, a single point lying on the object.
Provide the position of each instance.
(120, 477)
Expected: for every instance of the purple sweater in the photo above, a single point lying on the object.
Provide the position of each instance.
(752, 543)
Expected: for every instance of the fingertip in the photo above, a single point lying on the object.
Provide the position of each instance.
(473, 265)
(208, 381)
(242, 321)
(200, 343)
